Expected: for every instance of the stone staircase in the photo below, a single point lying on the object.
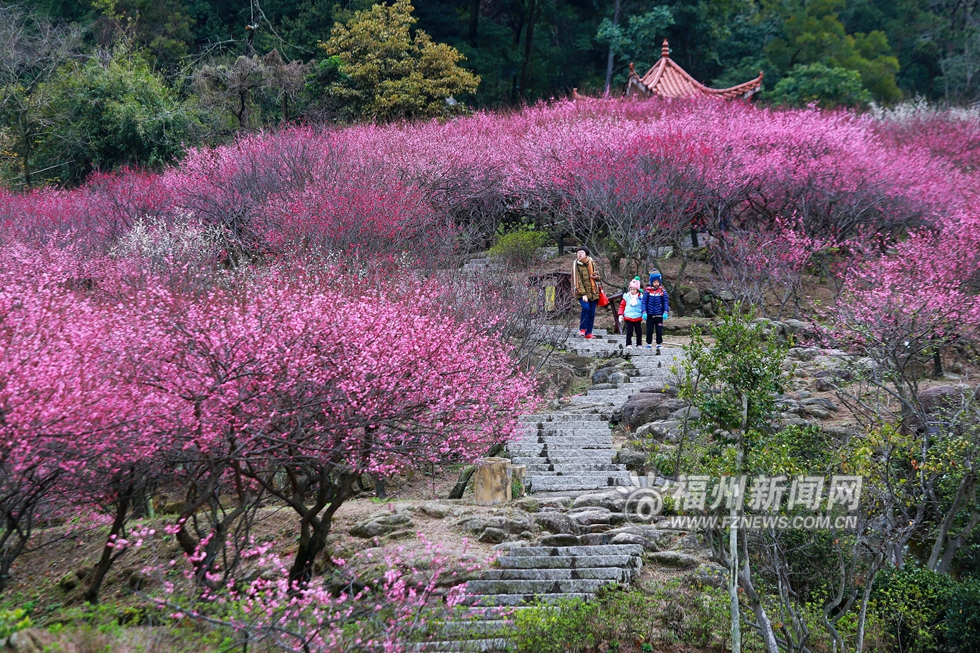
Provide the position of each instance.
(568, 452)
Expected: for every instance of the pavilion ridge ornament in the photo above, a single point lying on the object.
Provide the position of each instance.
(667, 79)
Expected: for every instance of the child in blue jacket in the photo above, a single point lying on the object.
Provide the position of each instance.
(631, 313)
(655, 307)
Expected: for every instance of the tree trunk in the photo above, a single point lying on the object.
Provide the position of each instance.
(610, 60)
(528, 44)
(474, 20)
(109, 553)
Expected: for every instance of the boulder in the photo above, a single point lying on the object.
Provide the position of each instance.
(382, 525)
(822, 402)
(674, 559)
(687, 412)
(660, 388)
(436, 510)
(632, 459)
(658, 430)
(527, 504)
(711, 575)
(617, 378)
(649, 544)
(646, 407)
(553, 522)
(614, 501)
(593, 516)
(562, 539)
(493, 535)
(579, 365)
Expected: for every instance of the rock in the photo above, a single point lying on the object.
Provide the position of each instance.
(614, 501)
(710, 574)
(691, 542)
(436, 510)
(612, 362)
(491, 481)
(688, 412)
(940, 397)
(474, 524)
(26, 641)
(792, 420)
(563, 539)
(632, 459)
(645, 407)
(691, 297)
(405, 534)
(509, 525)
(528, 504)
(617, 378)
(822, 402)
(674, 559)
(69, 581)
(493, 535)
(593, 516)
(825, 384)
(138, 580)
(792, 327)
(818, 412)
(603, 386)
(553, 522)
(801, 353)
(725, 296)
(600, 377)
(579, 365)
(658, 430)
(382, 525)
(660, 388)
(635, 538)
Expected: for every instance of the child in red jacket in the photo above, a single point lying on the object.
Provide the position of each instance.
(631, 312)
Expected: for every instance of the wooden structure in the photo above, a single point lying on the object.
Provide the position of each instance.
(667, 79)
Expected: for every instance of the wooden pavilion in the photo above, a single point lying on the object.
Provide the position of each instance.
(668, 79)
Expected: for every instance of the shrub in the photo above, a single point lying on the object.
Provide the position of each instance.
(517, 249)
(963, 617)
(912, 603)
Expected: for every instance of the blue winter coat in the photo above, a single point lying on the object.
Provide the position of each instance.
(655, 301)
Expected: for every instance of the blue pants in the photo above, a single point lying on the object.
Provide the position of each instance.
(587, 321)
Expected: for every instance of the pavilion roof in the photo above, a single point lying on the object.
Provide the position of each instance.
(667, 79)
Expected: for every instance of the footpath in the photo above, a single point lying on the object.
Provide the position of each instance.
(579, 496)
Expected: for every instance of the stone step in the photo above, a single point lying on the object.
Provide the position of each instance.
(572, 484)
(567, 562)
(610, 574)
(564, 443)
(577, 551)
(524, 587)
(561, 417)
(566, 470)
(573, 457)
(567, 428)
(522, 599)
(476, 628)
(566, 436)
(461, 646)
(614, 392)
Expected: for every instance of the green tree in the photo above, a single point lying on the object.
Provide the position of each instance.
(106, 115)
(817, 83)
(813, 33)
(733, 384)
(32, 50)
(386, 73)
